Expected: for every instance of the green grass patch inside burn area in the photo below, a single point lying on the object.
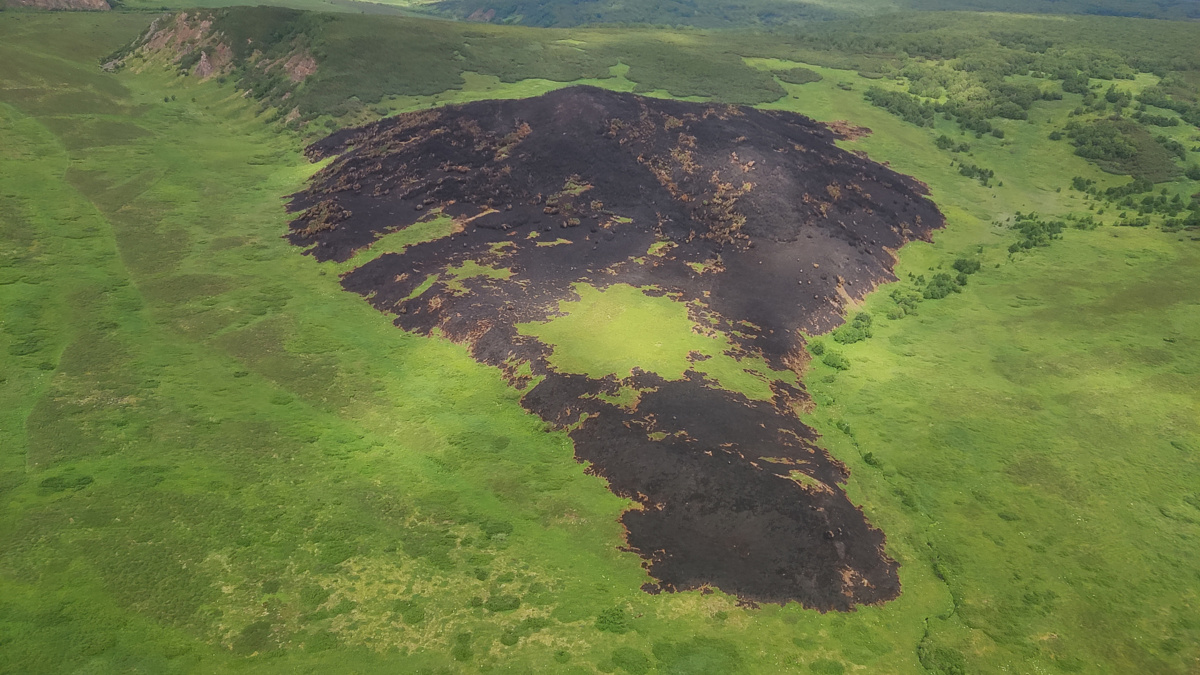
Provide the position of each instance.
(212, 458)
(612, 331)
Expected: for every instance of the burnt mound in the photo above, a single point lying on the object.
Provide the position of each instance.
(755, 218)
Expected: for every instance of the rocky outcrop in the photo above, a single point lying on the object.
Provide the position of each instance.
(194, 42)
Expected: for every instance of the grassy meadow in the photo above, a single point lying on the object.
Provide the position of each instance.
(214, 459)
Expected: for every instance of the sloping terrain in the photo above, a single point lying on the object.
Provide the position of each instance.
(771, 13)
(76, 5)
(214, 459)
(755, 220)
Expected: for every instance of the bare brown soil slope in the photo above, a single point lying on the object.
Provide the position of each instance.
(764, 227)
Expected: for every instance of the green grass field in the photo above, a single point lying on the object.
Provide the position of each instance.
(214, 459)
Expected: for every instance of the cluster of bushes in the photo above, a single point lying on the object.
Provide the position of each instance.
(905, 106)
(1034, 231)
(836, 360)
(915, 110)
(1189, 112)
(906, 300)
(1081, 184)
(1189, 222)
(936, 287)
(1156, 120)
(1136, 186)
(984, 176)
(1172, 146)
(1119, 98)
(944, 142)
(829, 357)
(1075, 82)
(1100, 140)
(1136, 195)
(1134, 222)
(943, 284)
(1157, 204)
(856, 330)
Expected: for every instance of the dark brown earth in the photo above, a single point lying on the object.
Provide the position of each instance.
(771, 229)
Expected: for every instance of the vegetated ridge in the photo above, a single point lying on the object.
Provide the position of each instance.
(774, 13)
(755, 219)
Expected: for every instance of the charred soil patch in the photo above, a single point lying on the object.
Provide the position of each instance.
(754, 219)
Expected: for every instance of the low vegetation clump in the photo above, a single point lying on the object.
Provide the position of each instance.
(856, 330)
(835, 360)
(1034, 231)
(984, 176)
(798, 75)
(907, 107)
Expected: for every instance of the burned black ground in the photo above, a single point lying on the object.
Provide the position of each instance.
(757, 220)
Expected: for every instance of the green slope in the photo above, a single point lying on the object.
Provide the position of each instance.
(212, 458)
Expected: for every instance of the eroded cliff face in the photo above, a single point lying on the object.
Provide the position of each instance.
(754, 220)
(194, 43)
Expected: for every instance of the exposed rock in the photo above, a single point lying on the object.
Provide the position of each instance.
(180, 37)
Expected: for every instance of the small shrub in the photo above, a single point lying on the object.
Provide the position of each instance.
(906, 299)
(615, 620)
(410, 611)
(835, 360)
(313, 596)
(967, 265)
(461, 651)
(940, 286)
(857, 330)
(502, 603)
(817, 347)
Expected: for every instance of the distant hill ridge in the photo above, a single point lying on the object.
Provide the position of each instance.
(716, 13)
(59, 5)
